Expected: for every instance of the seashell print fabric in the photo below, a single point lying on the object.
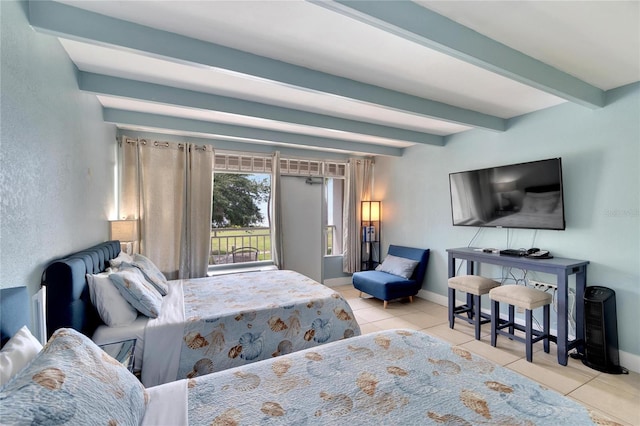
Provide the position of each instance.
(236, 319)
(397, 377)
(72, 381)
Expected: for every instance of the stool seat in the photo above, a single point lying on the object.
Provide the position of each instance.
(520, 296)
(528, 299)
(475, 286)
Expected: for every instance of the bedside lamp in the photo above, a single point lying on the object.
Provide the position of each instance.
(126, 231)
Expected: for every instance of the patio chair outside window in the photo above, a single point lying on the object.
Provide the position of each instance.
(244, 254)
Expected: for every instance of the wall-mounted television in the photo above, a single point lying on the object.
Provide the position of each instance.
(524, 195)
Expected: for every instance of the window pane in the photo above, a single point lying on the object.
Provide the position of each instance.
(333, 230)
(240, 220)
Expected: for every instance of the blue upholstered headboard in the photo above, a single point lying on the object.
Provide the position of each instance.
(14, 311)
(68, 301)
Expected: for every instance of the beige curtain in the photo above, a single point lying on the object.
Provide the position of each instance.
(358, 188)
(168, 187)
(275, 213)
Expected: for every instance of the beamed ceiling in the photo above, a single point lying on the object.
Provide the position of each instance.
(355, 77)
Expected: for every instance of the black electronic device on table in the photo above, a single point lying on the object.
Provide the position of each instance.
(532, 253)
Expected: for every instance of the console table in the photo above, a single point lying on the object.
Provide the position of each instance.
(558, 266)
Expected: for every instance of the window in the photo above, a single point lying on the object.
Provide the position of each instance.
(224, 240)
(334, 195)
(239, 219)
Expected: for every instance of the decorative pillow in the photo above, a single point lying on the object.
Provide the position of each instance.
(73, 381)
(138, 291)
(122, 257)
(400, 266)
(151, 273)
(114, 309)
(17, 353)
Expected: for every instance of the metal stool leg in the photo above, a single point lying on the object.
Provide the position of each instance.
(545, 327)
(476, 314)
(512, 318)
(495, 314)
(452, 303)
(528, 332)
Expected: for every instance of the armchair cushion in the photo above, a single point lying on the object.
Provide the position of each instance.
(399, 266)
(386, 286)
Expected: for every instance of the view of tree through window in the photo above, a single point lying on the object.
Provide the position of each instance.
(239, 222)
(237, 200)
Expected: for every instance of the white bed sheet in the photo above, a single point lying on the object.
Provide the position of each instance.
(167, 404)
(163, 335)
(105, 334)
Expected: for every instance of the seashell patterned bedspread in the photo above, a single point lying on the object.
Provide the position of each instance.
(398, 377)
(235, 319)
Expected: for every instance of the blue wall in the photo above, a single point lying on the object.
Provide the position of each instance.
(600, 158)
(57, 155)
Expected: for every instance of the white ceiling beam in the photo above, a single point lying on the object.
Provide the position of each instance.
(228, 131)
(150, 92)
(420, 25)
(77, 24)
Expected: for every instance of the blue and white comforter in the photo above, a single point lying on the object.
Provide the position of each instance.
(235, 319)
(395, 377)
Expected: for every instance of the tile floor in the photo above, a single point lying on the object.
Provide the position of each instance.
(614, 397)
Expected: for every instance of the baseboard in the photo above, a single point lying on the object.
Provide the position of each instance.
(336, 282)
(627, 360)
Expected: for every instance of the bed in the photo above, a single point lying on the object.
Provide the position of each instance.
(204, 325)
(389, 377)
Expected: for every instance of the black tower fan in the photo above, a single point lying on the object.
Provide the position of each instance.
(601, 330)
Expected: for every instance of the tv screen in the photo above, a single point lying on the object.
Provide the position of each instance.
(524, 195)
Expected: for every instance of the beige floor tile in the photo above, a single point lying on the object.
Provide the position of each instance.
(423, 320)
(610, 399)
(445, 333)
(373, 314)
(395, 322)
(358, 303)
(545, 370)
(600, 417)
(369, 328)
(500, 355)
(625, 382)
(361, 320)
(349, 293)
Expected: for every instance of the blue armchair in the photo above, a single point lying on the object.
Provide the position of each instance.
(386, 286)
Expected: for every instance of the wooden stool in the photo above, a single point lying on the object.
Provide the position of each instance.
(476, 286)
(526, 298)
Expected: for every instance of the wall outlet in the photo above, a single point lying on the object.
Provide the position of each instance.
(542, 285)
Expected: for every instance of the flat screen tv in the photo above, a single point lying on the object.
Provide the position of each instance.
(524, 195)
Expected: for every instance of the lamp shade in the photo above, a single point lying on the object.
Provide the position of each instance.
(505, 186)
(370, 211)
(123, 230)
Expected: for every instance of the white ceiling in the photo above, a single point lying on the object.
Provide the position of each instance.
(364, 77)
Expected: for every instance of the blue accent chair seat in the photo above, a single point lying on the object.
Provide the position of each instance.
(386, 286)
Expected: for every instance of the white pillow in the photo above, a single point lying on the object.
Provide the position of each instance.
(400, 266)
(122, 257)
(114, 309)
(17, 353)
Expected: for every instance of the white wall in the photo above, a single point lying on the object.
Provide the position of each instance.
(56, 155)
(600, 158)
